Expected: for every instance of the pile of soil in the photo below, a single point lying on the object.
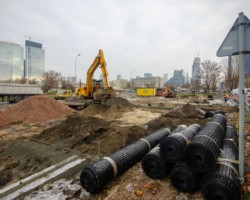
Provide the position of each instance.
(4, 120)
(91, 135)
(35, 109)
(113, 109)
(120, 101)
(184, 111)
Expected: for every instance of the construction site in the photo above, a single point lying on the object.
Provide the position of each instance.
(39, 133)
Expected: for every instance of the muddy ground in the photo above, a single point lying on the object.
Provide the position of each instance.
(99, 130)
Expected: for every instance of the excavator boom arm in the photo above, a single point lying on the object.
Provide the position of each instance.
(99, 60)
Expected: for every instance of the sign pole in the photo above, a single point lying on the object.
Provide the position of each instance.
(241, 96)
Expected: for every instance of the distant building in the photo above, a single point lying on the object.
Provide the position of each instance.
(148, 75)
(187, 81)
(11, 61)
(156, 82)
(196, 67)
(119, 77)
(247, 65)
(71, 80)
(34, 60)
(165, 78)
(178, 80)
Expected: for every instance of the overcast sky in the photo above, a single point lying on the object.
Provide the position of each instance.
(153, 36)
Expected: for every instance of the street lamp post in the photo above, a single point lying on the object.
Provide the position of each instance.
(75, 66)
(11, 75)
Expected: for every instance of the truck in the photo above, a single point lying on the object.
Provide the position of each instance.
(15, 92)
(63, 94)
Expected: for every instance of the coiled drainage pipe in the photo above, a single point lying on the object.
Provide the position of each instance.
(184, 178)
(223, 182)
(154, 166)
(172, 147)
(96, 175)
(202, 152)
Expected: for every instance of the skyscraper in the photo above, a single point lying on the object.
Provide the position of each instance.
(165, 78)
(34, 60)
(196, 67)
(11, 61)
(178, 79)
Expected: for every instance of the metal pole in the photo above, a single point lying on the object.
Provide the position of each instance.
(230, 72)
(75, 66)
(241, 96)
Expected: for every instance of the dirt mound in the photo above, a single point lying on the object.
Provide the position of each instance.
(120, 101)
(114, 108)
(186, 110)
(37, 109)
(88, 134)
(4, 120)
(94, 109)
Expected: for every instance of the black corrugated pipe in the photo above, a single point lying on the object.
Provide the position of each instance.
(180, 128)
(231, 133)
(210, 114)
(154, 166)
(223, 182)
(96, 175)
(202, 152)
(184, 178)
(172, 147)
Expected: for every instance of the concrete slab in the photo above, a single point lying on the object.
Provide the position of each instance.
(63, 169)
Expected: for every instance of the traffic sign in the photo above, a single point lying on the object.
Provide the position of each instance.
(230, 45)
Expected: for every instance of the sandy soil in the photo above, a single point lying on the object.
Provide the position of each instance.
(97, 130)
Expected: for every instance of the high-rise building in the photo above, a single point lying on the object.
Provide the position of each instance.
(196, 67)
(119, 77)
(187, 79)
(34, 60)
(178, 79)
(11, 61)
(165, 78)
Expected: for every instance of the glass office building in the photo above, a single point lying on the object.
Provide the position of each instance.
(34, 60)
(11, 61)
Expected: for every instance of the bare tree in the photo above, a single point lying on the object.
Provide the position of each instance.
(50, 79)
(231, 78)
(196, 81)
(210, 74)
(67, 86)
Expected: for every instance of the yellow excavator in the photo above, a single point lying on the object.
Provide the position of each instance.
(95, 91)
(168, 92)
(93, 88)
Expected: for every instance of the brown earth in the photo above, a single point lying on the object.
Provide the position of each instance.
(97, 130)
(88, 134)
(4, 119)
(34, 109)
